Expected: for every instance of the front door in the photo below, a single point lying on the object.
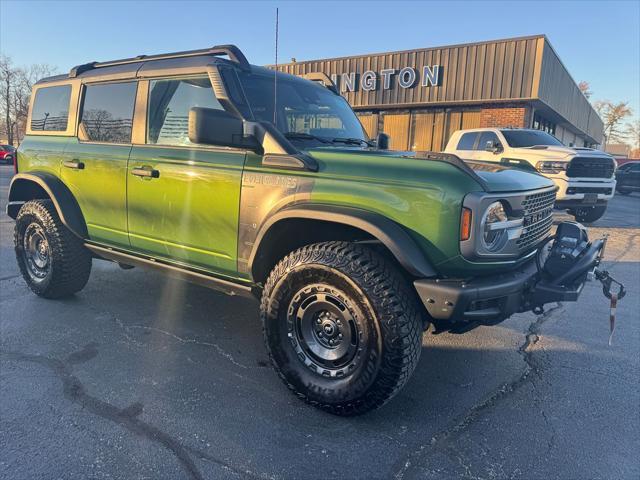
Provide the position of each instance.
(183, 199)
(95, 163)
(481, 153)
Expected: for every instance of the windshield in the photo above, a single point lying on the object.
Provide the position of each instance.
(529, 138)
(305, 112)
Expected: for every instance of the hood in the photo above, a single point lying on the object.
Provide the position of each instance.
(500, 178)
(559, 152)
(493, 177)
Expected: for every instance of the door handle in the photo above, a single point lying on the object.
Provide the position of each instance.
(75, 164)
(145, 172)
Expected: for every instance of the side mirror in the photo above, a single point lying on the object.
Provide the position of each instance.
(382, 141)
(211, 126)
(492, 147)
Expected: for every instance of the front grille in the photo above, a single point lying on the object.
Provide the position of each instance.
(590, 167)
(538, 218)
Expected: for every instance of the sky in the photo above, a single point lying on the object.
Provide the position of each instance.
(598, 41)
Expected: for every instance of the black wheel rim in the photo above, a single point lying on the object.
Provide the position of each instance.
(324, 330)
(36, 252)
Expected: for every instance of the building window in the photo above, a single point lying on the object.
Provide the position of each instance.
(541, 123)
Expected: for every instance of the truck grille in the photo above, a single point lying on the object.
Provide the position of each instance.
(590, 167)
(538, 218)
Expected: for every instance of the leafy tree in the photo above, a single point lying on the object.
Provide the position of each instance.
(585, 88)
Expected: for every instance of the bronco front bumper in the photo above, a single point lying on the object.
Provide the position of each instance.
(491, 299)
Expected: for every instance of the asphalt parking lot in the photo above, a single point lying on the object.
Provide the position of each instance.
(139, 376)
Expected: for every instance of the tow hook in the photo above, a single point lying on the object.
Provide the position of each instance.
(607, 280)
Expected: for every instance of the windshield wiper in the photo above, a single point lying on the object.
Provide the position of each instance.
(305, 136)
(352, 141)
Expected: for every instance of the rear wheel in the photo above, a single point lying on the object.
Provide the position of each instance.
(52, 260)
(342, 326)
(588, 214)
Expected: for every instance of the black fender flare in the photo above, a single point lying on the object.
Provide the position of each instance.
(21, 190)
(385, 230)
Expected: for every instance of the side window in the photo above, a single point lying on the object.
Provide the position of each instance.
(488, 137)
(169, 105)
(50, 112)
(467, 141)
(107, 112)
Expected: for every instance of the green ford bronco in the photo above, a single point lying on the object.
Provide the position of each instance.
(264, 184)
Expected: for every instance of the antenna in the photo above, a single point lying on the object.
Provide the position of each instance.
(275, 79)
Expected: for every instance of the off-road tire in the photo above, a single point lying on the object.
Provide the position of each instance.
(623, 191)
(387, 315)
(69, 262)
(588, 214)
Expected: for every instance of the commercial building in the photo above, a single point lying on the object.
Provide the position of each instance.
(420, 97)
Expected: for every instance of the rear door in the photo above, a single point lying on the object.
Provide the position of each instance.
(183, 198)
(95, 163)
(466, 145)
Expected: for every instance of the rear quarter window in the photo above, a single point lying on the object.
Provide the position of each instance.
(50, 111)
(467, 141)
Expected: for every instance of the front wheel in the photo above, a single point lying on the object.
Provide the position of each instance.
(342, 327)
(588, 214)
(52, 260)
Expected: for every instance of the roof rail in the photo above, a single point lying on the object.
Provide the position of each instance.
(233, 52)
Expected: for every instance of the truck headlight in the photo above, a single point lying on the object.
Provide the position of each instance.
(494, 226)
(547, 166)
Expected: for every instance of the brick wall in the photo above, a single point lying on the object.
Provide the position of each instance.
(506, 116)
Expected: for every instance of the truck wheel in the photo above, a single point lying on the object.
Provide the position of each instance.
(623, 191)
(588, 214)
(52, 260)
(342, 327)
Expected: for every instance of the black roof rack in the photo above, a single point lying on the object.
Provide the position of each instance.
(323, 79)
(233, 52)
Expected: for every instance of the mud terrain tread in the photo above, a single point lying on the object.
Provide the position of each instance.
(71, 261)
(395, 305)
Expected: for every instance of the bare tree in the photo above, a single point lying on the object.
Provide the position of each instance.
(633, 133)
(613, 116)
(7, 81)
(585, 88)
(15, 89)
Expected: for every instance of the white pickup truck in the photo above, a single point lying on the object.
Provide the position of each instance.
(584, 176)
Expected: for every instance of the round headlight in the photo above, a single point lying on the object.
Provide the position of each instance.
(493, 238)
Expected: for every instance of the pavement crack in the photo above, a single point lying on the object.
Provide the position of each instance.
(9, 277)
(180, 339)
(631, 239)
(532, 337)
(246, 472)
(128, 417)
